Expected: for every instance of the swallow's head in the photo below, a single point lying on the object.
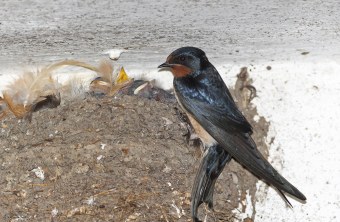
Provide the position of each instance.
(185, 61)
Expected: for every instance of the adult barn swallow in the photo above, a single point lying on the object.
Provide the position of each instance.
(221, 127)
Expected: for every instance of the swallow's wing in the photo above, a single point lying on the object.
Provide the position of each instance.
(216, 101)
(234, 116)
(216, 119)
(223, 116)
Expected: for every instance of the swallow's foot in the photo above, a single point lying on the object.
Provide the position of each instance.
(214, 160)
(190, 135)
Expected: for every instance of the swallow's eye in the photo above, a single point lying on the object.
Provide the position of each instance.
(182, 58)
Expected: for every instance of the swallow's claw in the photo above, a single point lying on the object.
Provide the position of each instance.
(190, 135)
(212, 164)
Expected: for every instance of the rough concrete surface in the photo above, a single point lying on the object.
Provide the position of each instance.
(298, 40)
(36, 31)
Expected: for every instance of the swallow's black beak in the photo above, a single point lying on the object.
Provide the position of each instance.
(165, 65)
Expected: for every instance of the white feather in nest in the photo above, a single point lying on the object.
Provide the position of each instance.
(105, 70)
(29, 89)
(109, 82)
(32, 87)
(75, 88)
(103, 82)
(24, 94)
(37, 90)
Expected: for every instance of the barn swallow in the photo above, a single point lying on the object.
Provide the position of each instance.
(223, 130)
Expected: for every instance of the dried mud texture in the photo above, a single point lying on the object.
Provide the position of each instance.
(109, 159)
